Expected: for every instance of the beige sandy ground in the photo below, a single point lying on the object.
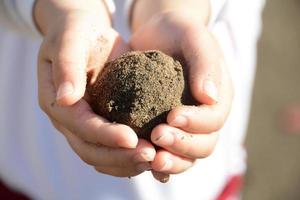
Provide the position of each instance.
(274, 156)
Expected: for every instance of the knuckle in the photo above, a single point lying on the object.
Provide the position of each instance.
(63, 60)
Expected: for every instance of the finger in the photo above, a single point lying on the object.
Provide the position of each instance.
(70, 65)
(205, 118)
(202, 55)
(161, 177)
(184, 144)
(103, 156)
(145, 153)
(79, 118)
(81, 47)
(169, 163)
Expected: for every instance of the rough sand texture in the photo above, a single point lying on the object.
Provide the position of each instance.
(138, 89)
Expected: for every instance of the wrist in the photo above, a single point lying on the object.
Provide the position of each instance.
(48, 13)
(143, 10)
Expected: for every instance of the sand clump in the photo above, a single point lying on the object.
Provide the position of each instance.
(138, 89)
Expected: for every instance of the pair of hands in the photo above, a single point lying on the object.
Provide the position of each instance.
(79, 40)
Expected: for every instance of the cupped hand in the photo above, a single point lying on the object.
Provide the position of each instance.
(191, 132)
(77, 42)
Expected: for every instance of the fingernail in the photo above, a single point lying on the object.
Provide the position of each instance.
(210, 90)
(141, 167)
(179, 121)
(144, 156)
(166, 139)
(167, 166)
(64, 90)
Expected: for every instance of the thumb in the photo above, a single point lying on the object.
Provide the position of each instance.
(69, 68)
(203, 56)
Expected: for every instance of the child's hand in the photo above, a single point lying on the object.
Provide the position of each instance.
(78, 40)
(192, 131)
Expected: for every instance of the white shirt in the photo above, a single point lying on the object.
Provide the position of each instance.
(37, 160)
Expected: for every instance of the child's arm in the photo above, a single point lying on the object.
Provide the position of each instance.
(78, 40)
(179, 28)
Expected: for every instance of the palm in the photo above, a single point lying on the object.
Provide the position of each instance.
(161, 34)
(183, 37)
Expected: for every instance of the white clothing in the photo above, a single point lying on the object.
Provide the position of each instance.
(36, 159)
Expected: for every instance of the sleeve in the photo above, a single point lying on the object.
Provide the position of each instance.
(216, 9)
(17, 15)
(127, 10)
(110, 6)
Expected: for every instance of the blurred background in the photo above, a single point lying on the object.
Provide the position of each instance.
(273, 152)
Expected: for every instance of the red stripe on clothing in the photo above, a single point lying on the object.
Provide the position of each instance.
(6, 193)
(232, 189)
